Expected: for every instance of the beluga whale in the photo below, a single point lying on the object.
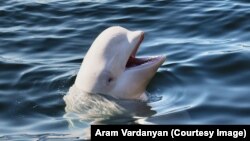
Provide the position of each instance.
(110, 66)
(111, 71)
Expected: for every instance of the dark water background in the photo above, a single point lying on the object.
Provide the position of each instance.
(206, 79)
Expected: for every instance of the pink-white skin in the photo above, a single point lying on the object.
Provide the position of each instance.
(110, 66)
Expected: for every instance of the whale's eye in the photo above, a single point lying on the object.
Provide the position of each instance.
(110, 79)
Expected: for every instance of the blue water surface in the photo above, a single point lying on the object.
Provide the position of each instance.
(205, 80)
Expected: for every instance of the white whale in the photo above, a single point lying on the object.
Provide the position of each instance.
(111, 67)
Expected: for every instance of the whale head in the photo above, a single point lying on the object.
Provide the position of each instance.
(111, 67)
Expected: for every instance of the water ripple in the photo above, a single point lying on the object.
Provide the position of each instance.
(43, 43)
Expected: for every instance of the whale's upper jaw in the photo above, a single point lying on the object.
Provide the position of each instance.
(137, 63)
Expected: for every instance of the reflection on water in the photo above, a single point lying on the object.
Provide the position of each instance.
(205, 79)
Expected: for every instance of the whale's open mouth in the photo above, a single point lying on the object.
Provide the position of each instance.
(136, 62)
